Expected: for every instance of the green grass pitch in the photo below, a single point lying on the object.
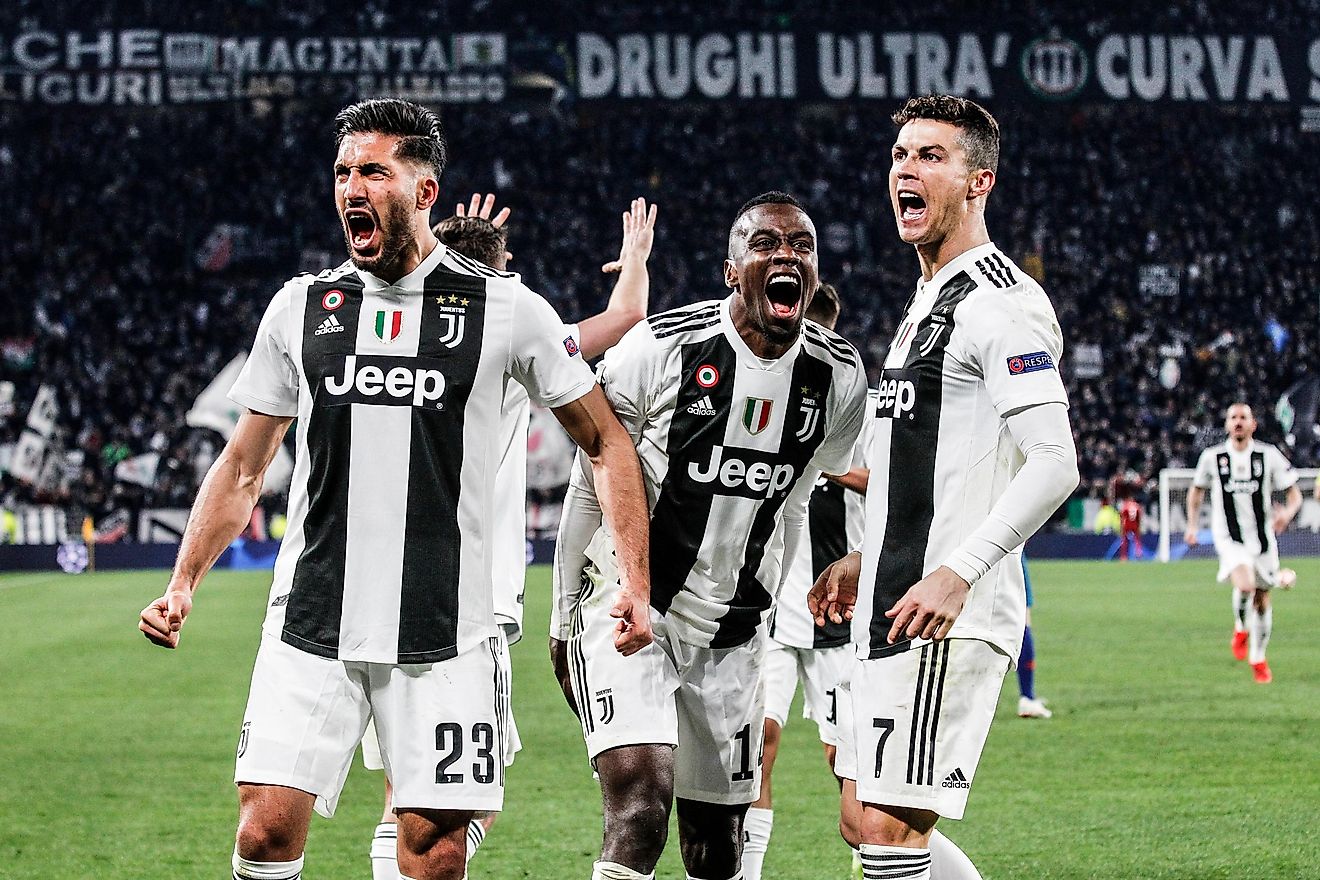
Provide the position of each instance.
(1164, 759)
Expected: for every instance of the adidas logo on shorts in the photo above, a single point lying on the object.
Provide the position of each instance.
(702, 407)
(329, 325)
(956, 779)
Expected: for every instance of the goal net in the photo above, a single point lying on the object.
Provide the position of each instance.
(1301, 539)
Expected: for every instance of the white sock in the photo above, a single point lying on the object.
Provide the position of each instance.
(894, 862)
(248, 870)
(1259, 626)
(1240, 602)
(385, 852)
(948, 862)
(756, 839)
(476, 833)
(615, 871)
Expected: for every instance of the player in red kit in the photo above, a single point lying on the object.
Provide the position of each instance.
(1129, 519)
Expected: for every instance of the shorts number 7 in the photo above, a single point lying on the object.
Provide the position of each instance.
(886, 727)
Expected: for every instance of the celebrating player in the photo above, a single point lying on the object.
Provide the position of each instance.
(473, 233)
(394, 363)
(972, 452)
(736, 406)
(1247, 474)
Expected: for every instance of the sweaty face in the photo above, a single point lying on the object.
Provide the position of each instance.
(376, 197)
(1239, 422)
(928, 181)
(773, 266)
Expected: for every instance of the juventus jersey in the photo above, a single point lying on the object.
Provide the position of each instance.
(510, 532)
(1241, 486)
(398, 390)
(977, 342)
(836, 520)
(724, 436)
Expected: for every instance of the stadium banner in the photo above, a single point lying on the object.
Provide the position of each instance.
(152, 67)
(148, 66)
(980, 64)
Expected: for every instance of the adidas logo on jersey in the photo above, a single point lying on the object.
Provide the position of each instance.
(956, 779)
(329, 325)
(702, 407)
(387, 381)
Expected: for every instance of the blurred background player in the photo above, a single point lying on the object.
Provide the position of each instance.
(1029, 705)
(475, 234)
(798, 650)
(1245, 474)
(1129, 521)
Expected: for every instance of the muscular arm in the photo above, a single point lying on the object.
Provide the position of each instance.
(1292, 504)
(617, 475)
(628, 301)
(222, 509)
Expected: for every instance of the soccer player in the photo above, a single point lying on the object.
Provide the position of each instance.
(736, 406)
(1247, 473)
(1029, 705)
(796, 649)
(473, 233)
(972, 452)
(394, 364)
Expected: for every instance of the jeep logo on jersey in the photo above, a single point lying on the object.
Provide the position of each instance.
(388, 324)
(897, 395)
(747, 473)
(386, 381)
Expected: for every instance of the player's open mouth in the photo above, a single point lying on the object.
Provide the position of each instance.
(911, 206)
(361, 228)
(784, 292)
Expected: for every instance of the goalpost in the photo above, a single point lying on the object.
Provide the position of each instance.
(1301, 539)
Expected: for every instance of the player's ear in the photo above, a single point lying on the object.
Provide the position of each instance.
(730, 274)
(982, 181)
(428, 191)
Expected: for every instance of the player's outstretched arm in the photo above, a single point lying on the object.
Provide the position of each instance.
(617, 475)
(1194, 495)
(834, 594)
(483, 209)
(222, 509)
(628, 301)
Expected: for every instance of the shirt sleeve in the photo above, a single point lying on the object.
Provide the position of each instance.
(1205, 471)
(268, 382)
(835, 453)
(1282, 474)
(544, 356)
(1013, 340)
(628, 374)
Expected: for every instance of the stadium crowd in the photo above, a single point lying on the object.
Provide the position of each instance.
(1180, 257)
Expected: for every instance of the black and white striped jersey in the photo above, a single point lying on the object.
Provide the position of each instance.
(977, 343)
(836, 521)
(723, 437)
(398, 391)
(1241, 485)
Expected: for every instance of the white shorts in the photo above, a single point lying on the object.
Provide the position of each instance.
(920, 719)
(442, 726)
(1264, 565)
(706, 702)
(820, 670)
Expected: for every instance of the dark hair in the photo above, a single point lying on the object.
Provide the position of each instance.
(421, 137)
(979, 132)
(475, 238)
(774, 197)
(824, 308)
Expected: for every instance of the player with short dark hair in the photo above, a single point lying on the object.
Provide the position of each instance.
(473, 232)
(394, 363)
(1246, 474)
(972, 452)
(736, 406)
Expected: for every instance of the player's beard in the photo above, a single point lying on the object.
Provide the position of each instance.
(396, 233)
